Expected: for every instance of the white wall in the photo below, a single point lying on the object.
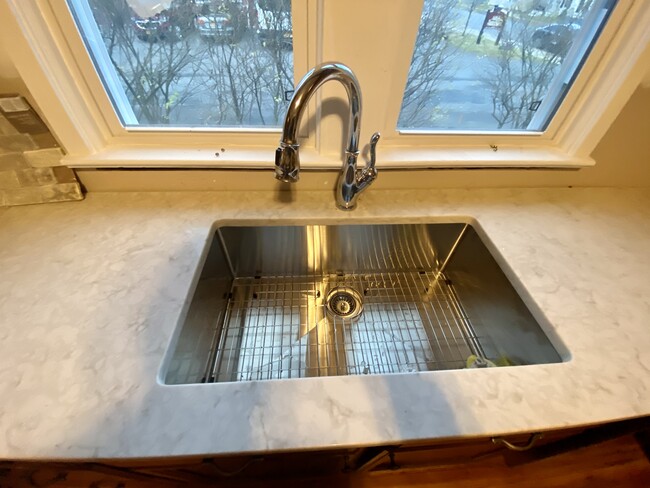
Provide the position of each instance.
(7, 69)
(10, 81)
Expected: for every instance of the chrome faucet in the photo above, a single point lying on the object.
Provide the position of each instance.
(351, 181)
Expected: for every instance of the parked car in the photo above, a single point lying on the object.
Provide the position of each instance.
(555, 38)
(147, 30)
(224, 20)
(215, 26)
(274, 24)
(157, 28)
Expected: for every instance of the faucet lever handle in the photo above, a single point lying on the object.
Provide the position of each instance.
(368, 174)
(373, 151)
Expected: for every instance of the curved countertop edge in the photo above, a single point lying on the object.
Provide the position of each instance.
(91, 293)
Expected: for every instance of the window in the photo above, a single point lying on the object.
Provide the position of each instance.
(484, 67)
(114, 102)
(191, 62)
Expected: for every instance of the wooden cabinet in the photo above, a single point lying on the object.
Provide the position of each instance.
(284, 468)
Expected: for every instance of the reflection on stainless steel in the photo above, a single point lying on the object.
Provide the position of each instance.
(443, 266)
(283, 302)
(351, 181)
(314, 249)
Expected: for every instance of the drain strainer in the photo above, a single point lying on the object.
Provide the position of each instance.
(344, 302)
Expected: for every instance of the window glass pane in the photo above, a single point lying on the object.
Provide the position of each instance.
(191, 62)
(483, 66)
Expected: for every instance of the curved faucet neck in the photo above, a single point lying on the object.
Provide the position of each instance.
(310, 83)
(351, 181)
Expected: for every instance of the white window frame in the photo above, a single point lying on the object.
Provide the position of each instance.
(51, 58)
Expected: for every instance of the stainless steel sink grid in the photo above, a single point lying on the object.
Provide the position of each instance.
(292, 302)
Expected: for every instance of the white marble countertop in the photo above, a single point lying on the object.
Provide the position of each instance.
(91, 293)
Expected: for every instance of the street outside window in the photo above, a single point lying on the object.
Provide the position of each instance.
(487, 66)
(192, 62)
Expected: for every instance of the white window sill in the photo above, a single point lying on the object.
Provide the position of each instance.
(391, 157)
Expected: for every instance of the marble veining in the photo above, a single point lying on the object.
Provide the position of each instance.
(91, 294)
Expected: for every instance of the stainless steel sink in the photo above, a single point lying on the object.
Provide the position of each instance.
(279, 302)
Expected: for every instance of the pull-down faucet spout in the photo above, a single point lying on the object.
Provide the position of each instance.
(351, 181)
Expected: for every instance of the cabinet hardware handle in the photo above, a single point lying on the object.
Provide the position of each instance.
(532, 440)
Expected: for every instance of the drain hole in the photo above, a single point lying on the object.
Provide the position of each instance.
(344, 302)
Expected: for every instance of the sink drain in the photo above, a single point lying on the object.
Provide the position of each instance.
(344, 302)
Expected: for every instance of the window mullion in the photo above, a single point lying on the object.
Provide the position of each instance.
(379, 53)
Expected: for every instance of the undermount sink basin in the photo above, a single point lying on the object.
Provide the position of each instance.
(279, 302)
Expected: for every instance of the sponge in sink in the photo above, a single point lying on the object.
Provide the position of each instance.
(475, 361)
